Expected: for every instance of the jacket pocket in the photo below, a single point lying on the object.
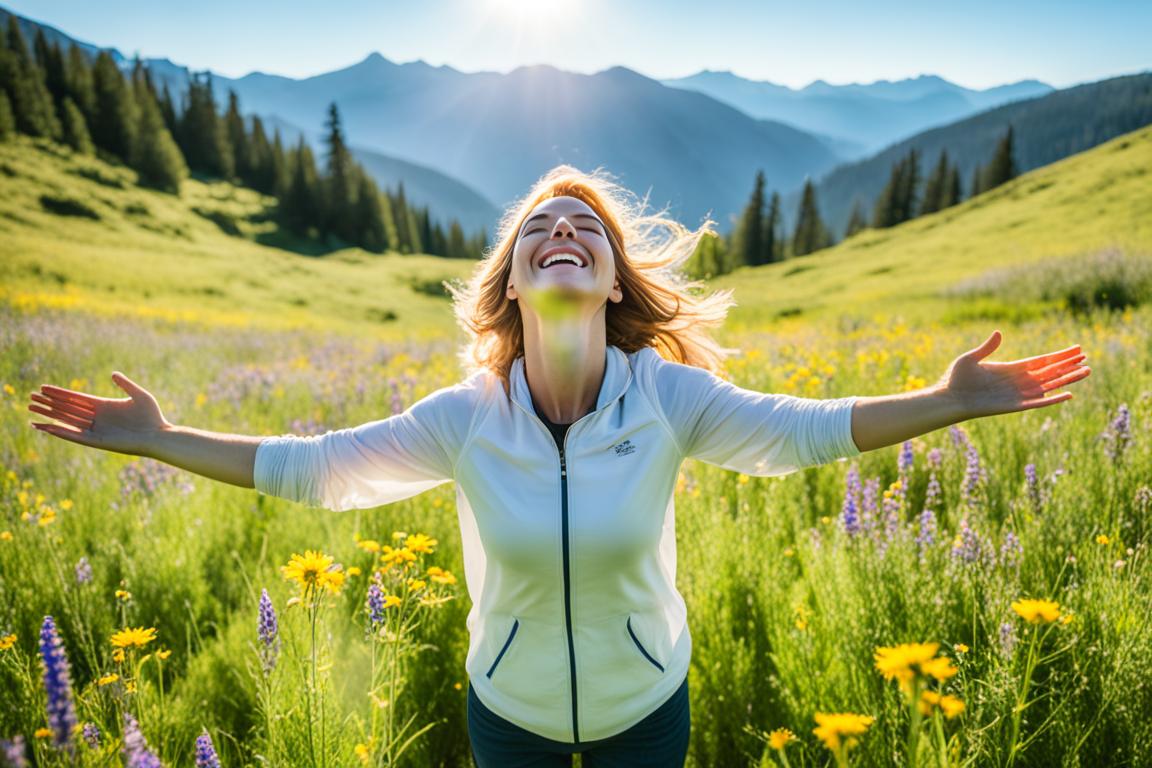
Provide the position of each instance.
(503, 650)
(640, 647)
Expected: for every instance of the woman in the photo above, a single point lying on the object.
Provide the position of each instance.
(591, 382)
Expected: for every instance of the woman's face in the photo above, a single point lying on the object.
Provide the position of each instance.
(562, 257)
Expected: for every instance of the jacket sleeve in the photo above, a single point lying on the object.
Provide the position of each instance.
(375, 463)
(747, 431)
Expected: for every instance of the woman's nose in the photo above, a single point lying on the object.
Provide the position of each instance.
(563, 228)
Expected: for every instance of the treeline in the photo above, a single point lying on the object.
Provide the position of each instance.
(758, 237)
(95, 108)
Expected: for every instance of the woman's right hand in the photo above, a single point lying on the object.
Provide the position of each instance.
(125, 425)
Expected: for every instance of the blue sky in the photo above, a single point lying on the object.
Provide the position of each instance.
(979, 43)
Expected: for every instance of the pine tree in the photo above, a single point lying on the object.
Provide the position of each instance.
(977, 180)
(457, 249)
(908, 198)
(425, 219)
(281, 171)
(23, 80)
(238, 139)
(400, 216)
(811, 234)
(113, 126)
(168, 111)
(1002, 167)
(301, 206)
(751, 227)
(439, 243)
(934, 188)
(339, 190)
(856, 220)
(260, 157)
(51, 61)
(201, 135)
(773, 244)
(79, 76)
(369, 216)
(75, 129)
(155, 156)
(885, 211)
(952, 192)
(7, 119)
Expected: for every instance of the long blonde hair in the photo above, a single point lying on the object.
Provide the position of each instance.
(660, 308)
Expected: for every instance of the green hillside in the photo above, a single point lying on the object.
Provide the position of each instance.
(1086, 203)
(76, 232)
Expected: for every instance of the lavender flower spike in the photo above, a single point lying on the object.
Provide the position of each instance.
(375, 604)
(269, 632)
(14, 751)
(136, 752)
(850, 514)
(83, 571)
(92, 735)
(57, 684)
(205, 752)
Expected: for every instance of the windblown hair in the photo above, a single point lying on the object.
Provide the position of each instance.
(660, 308)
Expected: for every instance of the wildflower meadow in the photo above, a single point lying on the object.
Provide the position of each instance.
(975, 596)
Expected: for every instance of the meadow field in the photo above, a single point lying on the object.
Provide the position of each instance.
(976, 596)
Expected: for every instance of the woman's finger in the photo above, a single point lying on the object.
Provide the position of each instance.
(1044, 401)
(73, 396)
(1056, 369)
(67, 418)
(1067, 378)
(1040, 361)
(63, 405)
(68, 433)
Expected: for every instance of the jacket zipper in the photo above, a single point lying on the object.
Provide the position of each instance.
(567, 584)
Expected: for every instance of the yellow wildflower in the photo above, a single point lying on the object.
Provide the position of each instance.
(5, 535)
(66, 504)
(416, 584)
(939, 668)
(951, 706)
(742, 479)
(1102, 540)
(400, 556)
(391, 601)
(354, 571)
(123, 594)
(313, 571)
(130, 686)
(961, 648)
(108, 679)
(458, 686)
(900, 661)
(138, 637)
(832, 726)
(7, 641)
(118, 655)
(164, 654)
(369, 545)
(789, 552)
(9, 390)
(362, 752)
(419, 542)
(399, 535)
(42, 733)
(779, 738)
(440, 576)
(1037, 611)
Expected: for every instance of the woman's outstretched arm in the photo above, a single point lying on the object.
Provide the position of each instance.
(969, 389)
(136, 426)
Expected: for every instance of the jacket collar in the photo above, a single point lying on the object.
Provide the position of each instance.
(617, 378)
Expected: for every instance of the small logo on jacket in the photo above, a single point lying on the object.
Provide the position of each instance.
(624, 448)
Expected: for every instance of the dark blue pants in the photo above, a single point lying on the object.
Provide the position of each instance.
(660, 739)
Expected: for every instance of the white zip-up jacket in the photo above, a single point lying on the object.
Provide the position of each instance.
(577, 630)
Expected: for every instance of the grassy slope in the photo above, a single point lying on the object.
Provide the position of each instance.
(1090, 201)
(150, 254)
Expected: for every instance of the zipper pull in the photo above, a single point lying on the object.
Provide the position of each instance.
(563, 466)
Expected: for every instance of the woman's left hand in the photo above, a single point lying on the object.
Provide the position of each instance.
(986, 388)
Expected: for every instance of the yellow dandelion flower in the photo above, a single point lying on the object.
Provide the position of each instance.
(331, 580)
(458, 686)
(42, 733)
(832, 726)
(1103, 540)
(5, 535)
(742, 479)
(399, 535)
(9, 390)
(939, 668)
(779, 738)
(118, 655)
(123, 594)
(354, 571)
(1037, 611)
(66, 504)
(392, 601)
(400, 556)
(789, 552)
(108, 679)
(130, 686)
(313, 571)
(7, 641)
(416, 584)
(900, 661)
(362, 752)
(138, 637)
(928, 702)
(419, 542)
(164, 654)
(951, 706)
(440, 576)
(369, 545)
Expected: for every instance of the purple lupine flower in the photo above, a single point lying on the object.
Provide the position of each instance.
(83, 571)
(869, 513)
(14, 752)
(397, 402)
(1118, 434)
(904, 460)
(136, 751)
(959, 436)
(967, 546)
(375, 604)
(850, 513)
(933, 492)
(934, 458)
(927, 535)
(1011, 550)
(268, 630)
(92, 735)
(973, 476)
(57, 684)
(1007, 639)
(1035, 495)
(145, 477)
(1143, 500)
(205, 752)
